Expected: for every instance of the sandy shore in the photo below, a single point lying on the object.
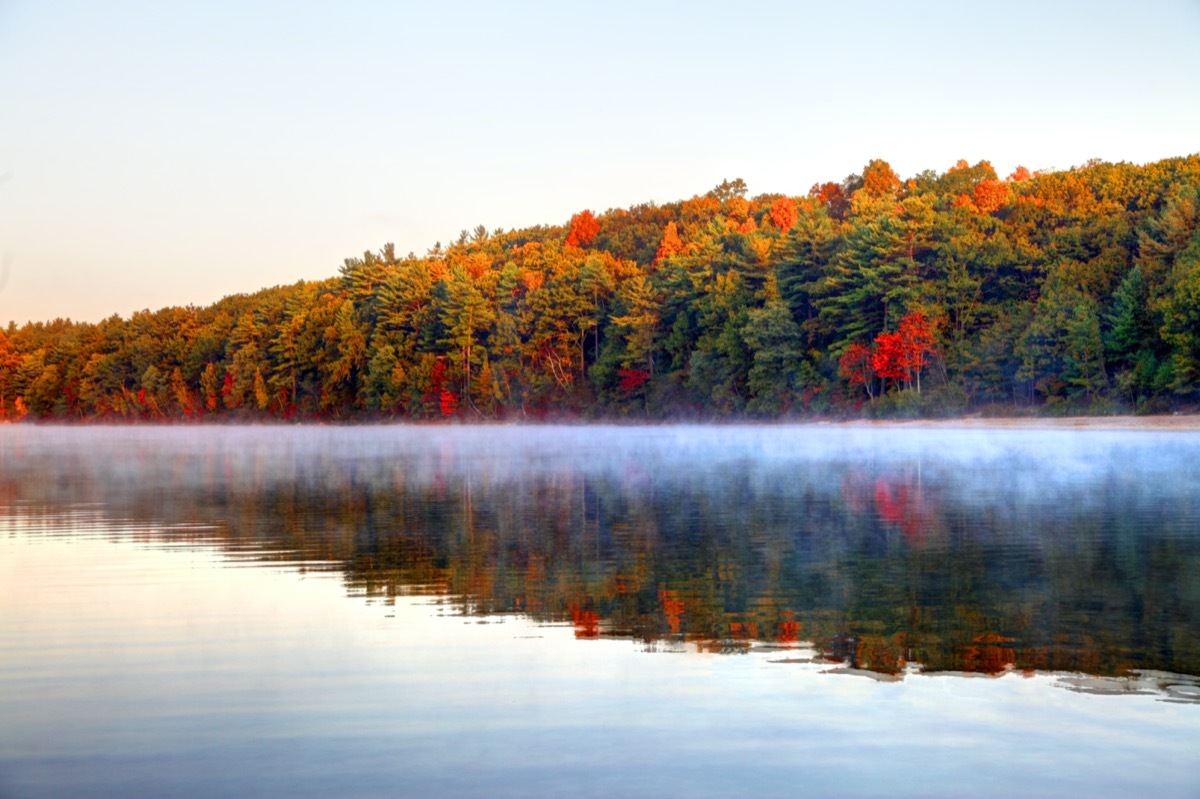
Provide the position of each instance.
(1181, 422)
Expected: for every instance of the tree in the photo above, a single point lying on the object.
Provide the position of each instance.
(1061, 350)
(1181, 327)
(262, 398)
(877, 268)
(10, 360)
(879, 180)
(916, 341)
(639, 322)
(466, 314)
(887, 359)
(833, 197)
(1019, 175)
(727, 190)
(670, 244)
(583, 230)
(719, 365)
(181, 395)
(775, 344)
(439, 390)
(344, 358)
(802, 262)
(991, 195)
(210, 387)
(855, 367)
(784, 214)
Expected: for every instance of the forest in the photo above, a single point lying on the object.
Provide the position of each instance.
(1059, 292)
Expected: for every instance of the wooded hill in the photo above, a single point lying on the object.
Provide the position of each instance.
(1069, 291)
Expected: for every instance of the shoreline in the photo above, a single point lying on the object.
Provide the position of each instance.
(1162, 422)
(1165, 422)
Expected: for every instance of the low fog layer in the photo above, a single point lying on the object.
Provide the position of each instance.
(984, 467)
(982, 460)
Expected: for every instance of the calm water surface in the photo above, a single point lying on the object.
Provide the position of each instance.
(600, 611)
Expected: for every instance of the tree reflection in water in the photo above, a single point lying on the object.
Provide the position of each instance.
(883, 562)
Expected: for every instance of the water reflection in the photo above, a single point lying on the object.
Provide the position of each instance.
(874, 551)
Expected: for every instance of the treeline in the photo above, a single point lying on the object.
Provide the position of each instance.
(1075, 290)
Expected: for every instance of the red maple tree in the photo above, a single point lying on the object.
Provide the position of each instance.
(916, 341)
(888, 359)
(584, 228)
(855, 366)
(833, 197)
(630, 380)
(899, 355)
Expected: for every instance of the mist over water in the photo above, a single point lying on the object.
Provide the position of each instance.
(586, 574)
(985, 463)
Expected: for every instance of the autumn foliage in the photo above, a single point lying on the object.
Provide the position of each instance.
(583, 230)
(945, 292)
(670, 245)
(896, 356)
(631, 380)
(784, 214)
(833, 197)
(856, 367)
(991, 195)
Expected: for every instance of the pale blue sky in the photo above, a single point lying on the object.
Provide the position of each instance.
(156, 154)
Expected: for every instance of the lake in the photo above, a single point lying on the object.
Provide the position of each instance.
(598, 611)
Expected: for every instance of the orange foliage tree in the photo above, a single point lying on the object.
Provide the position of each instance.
(784, 214)
(991, 195)
(879, 179)
(1019, 174)
(584, 228)
(670, 244)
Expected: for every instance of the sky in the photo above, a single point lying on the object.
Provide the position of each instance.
(158, 154)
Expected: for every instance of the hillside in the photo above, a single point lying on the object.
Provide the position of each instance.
(1074, 291)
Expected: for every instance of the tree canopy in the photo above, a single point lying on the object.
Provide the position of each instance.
(1074, 290)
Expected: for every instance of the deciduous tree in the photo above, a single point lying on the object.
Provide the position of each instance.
(583, 229)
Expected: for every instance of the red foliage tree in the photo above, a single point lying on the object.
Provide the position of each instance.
(584, 228)
(916, 337)
(833, 197)
(784, 214)
(888, 359)
(631, 380)
(447, 400)
(855, 366)
(902, 354)
(231, 400)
